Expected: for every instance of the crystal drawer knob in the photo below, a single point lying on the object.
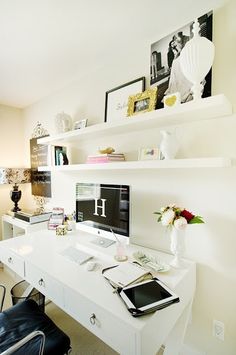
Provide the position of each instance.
(41, 282)
(92, 319)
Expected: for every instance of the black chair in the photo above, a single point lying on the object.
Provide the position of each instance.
(25, 329)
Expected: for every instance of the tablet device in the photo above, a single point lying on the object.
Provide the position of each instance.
(147, 296)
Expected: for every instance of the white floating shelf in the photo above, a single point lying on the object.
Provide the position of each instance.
(203, 109)
(150, 164)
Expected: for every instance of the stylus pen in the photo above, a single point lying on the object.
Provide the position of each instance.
(115, 235)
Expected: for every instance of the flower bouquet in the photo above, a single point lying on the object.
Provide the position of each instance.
(176, 219)
(173, 216)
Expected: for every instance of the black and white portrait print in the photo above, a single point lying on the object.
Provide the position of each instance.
(165, 71)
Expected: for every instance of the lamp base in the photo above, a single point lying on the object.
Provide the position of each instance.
(15, 195)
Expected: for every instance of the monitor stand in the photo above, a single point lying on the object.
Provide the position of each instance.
(103, 242)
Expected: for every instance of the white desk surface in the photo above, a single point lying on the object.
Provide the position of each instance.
(42, 249)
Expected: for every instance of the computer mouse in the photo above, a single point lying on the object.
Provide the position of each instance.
(90, 266)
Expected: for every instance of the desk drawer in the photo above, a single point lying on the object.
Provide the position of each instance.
(13, 261)
(46, 284)
(103, 324)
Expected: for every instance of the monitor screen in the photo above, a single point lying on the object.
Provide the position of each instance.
(103, 207)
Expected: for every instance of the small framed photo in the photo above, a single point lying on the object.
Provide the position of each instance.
(172, 100)
(116, 100)
(142, 102)
(149, 154)
(80, 124)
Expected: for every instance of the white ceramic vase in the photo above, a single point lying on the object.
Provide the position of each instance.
(177, 246)
(169, 144)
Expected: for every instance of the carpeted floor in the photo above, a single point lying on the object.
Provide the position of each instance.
(83, 342)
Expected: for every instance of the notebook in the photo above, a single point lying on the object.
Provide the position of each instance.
(125, 274)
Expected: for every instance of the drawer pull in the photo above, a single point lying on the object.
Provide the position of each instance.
(10, 260)
(92, 319)
(41, 283)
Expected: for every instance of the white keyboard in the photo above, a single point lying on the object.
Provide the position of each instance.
(76, 255)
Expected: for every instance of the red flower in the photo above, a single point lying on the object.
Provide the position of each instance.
(186, 214)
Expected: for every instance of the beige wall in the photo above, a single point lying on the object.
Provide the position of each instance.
(11, 148)
(208, 192)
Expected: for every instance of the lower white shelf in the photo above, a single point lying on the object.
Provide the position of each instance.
(215, 162)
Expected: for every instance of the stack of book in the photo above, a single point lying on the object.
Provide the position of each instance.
(32, 216)
(105, 158)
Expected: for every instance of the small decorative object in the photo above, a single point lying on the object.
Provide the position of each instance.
(176, 219)
(57, 218)
(108, 150)
(169, 144)
(117, 99)
(149, 154)
(80, 124)
(172, 100)
(196, 60)
(70, 222)
(142, 102)
(15, 176)
(63, 122)
(61, 230)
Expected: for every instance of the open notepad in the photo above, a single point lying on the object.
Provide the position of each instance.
(125, 274)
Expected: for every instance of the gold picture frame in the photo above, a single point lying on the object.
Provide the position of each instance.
(142, 102)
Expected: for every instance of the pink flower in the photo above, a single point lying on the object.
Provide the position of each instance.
(180, 223)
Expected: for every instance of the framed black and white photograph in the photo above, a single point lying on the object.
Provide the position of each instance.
(142, 102)
(80, 124)
(165, 70)
(116, 101)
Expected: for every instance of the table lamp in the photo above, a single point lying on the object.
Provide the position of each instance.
(15, 176)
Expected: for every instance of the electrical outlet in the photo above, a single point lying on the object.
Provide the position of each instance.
(218, 329)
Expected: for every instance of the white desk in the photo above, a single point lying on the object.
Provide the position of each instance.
(13, 227)
(83, 294)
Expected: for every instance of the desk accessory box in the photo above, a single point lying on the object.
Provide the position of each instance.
(32, 217)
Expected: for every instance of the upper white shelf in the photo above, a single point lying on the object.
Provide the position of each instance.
(213, 162)
(203, 109)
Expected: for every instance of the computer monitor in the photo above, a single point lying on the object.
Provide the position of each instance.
(102, 209)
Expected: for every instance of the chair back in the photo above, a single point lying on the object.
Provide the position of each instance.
(2, 296)
(31, 337)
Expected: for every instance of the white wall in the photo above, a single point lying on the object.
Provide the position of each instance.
(11, 148)
(208, 192)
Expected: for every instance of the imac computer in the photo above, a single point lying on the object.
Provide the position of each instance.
(103, 209)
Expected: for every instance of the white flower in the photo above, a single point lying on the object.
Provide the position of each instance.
(167, 217)
(180, 223)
